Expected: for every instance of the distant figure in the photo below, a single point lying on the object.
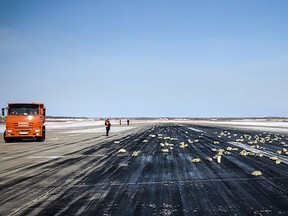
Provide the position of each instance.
(128, 121)
(120, 121)
(107, 125)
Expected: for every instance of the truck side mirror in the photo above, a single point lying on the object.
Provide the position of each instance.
(3, 111)
(44, 112)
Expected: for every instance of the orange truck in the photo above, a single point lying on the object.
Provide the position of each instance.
(24, 120)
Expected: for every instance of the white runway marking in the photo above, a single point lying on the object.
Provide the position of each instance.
(44, 157)
(59, 156)
(194, 129)
(56, 138)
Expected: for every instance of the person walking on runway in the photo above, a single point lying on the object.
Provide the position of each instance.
(107, 125)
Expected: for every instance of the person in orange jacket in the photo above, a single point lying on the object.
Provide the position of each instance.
(107, 125)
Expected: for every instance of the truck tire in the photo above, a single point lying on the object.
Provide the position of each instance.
(6, 139)
(42, 138)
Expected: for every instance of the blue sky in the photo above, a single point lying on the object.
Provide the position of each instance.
(154, 58)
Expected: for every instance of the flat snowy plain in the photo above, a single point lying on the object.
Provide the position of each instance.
(76, 126)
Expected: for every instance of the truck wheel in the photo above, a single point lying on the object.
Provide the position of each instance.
(42, 138)
(6, 139)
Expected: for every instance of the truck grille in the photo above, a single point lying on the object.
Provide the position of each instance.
(22, 125)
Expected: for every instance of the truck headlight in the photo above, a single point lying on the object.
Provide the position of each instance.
(9, 131)
(37, 130)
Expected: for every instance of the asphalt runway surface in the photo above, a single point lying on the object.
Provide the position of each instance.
(147, 170)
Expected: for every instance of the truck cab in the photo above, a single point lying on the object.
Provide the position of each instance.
(24, 120)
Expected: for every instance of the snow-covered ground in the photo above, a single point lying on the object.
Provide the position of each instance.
(2, 128)
(271, 126)
(98, 126)
(78, 126)
(98, 130)
(72, 124)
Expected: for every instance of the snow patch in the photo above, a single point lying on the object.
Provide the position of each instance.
(97, 130)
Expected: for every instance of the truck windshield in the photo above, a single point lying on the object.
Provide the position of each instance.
(23, 109)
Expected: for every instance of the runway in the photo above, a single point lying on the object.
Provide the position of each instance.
(146, 169)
